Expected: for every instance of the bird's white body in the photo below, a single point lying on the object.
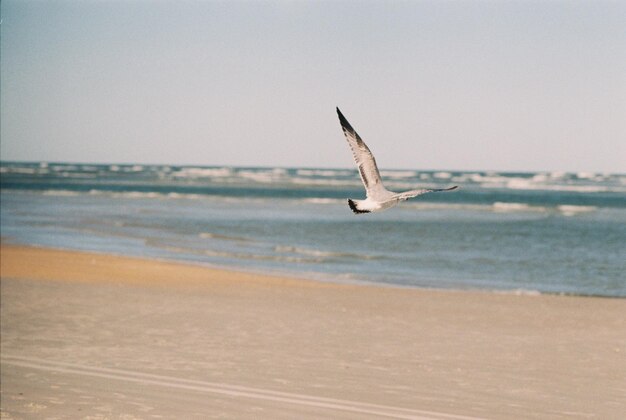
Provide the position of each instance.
(378, 197)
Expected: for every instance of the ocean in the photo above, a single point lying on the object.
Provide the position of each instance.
(546, 232)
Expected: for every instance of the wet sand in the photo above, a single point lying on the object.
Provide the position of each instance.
(98, 336)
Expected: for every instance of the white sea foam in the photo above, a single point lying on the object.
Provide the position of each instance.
(322, 172)
(127, 194)
(202, 172)
(516, 207)
(461, 178)
(487, 179)
(306, 172)
(545, 182)
(304, 251)
(61, 193)
(557, 174)
(78, 175)
(63, 168)
(320, 255)
(138, 194)
(124, 194)
(260, 176)
(586, 175)
(556, 181)
(572, 210)
(184, 196)
(425, 205)
(18, 170)
(317, 200)
(442, 175)
(521, 184)
(586, 188)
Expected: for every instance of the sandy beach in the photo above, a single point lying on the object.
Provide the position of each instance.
(97, 336)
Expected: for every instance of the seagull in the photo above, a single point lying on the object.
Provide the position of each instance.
(379, 198)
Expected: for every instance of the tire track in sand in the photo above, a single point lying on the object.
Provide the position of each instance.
(227, 389)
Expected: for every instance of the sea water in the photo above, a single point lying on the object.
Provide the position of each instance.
(527, 232)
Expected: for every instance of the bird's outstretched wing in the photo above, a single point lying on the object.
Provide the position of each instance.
(414, 193)
(364, 160)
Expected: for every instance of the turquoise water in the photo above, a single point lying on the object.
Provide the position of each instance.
(543, 232)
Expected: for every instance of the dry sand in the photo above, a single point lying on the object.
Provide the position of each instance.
(97, 336)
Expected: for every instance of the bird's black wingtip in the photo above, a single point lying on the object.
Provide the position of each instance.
(344, 122)
(355, 209)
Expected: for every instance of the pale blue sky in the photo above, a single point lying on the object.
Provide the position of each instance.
(428, 84)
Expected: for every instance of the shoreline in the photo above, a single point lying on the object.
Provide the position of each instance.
(7, 242)
(180, 340)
